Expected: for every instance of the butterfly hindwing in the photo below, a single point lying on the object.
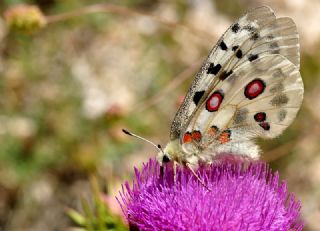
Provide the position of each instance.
(255, 35)
(267, 93)
(260, 98)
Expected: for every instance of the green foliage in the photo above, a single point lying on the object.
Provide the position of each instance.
(96, 215)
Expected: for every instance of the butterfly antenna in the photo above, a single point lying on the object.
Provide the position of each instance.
(157, 146)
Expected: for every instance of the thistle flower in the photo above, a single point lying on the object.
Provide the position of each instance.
(242, 197)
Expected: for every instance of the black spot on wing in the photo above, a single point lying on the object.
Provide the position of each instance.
(255, 37)
(249, 28)
(241, 115)
(213, 69)
(237, 51)
(282, 115)
(252, 57)
(197, 97)
(239, 54)
(235, 28)
(234, 48)
(223, 46)
(278, 87)
(225, 75)
(270, 37)
(279, 100)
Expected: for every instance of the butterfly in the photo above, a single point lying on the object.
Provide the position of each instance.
(249, 86)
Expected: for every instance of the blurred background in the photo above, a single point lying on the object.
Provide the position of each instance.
(70, 83)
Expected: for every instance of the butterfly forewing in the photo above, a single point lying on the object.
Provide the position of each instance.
(249, 85)
(280, 37)
(256, 33)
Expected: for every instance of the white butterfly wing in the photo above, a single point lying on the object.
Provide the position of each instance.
(259, 99)
(272, 111)
(256, 34)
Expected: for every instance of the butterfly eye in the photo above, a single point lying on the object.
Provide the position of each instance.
(165, 159)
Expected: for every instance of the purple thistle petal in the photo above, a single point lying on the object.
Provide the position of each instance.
(243, 197)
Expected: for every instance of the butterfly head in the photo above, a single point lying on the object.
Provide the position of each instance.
(171, 152)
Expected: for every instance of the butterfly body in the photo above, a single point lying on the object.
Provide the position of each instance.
(249, 86)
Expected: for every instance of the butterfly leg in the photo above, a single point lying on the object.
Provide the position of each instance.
(197, 177)
(175, 171)
(161, 171)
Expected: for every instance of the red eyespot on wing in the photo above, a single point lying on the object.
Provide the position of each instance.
(254, 88)
(265, 125)
(213, 130)
(196, 135)
(187, 137)
(224, 137)
(260, 116)
(214, 101)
